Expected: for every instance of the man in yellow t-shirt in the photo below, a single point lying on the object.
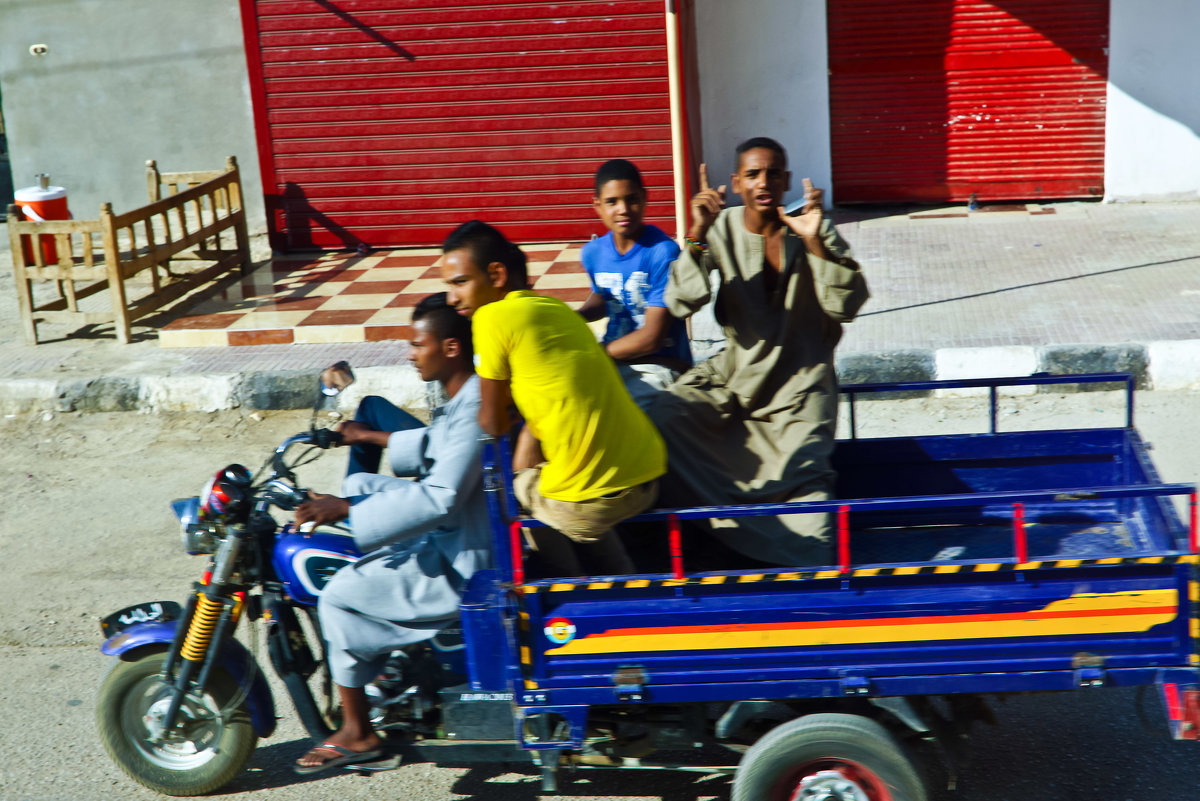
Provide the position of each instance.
(602, 454)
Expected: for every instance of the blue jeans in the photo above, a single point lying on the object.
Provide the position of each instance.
(380, 415)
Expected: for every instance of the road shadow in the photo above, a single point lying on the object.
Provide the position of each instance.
(480, 784)
(271, 767)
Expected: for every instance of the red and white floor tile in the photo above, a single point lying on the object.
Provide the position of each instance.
(341, 297)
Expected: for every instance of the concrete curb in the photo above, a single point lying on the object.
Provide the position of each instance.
(1173, 365)
(252, 390)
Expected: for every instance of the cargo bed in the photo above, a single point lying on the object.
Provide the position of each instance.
(961, 563)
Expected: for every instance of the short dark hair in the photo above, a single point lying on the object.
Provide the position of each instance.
(763, 142)
(445, 323)
(488, 245)
(618, 170)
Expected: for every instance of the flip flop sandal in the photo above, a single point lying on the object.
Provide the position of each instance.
(344, 757)
(383, 763)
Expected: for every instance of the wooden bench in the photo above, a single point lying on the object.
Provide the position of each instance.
(200, 218)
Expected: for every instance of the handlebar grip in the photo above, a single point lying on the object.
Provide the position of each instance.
(326, 438)
(285, 497)
(291, 500)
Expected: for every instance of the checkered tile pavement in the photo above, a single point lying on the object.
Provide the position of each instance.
(339, 297)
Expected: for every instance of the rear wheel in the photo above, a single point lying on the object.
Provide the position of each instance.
(828, 757)
(204, 753)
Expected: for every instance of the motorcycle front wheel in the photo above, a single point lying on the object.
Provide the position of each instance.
(203, 754)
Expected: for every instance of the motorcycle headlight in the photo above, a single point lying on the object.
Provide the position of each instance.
(197, 537)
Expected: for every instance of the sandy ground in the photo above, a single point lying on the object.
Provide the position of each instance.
(85, 528)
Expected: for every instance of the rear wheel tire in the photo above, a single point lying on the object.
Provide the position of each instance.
(828, 757)
(206, 755)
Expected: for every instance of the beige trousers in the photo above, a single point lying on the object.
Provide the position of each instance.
(582, 521)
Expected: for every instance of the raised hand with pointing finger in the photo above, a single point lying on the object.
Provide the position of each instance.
(706, 205)
(757, 420)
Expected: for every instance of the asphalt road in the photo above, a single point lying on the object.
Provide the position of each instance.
(85, 529)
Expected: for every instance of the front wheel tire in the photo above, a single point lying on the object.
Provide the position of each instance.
(204, 754)
(828, 757)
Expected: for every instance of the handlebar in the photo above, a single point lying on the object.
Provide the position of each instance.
(279, 489)
(283, 495)
(323, 438)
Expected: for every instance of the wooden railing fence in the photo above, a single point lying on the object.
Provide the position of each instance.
(201, 217)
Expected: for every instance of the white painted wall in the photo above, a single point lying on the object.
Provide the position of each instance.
(1153, 119)
(764, 71)
(123, 81)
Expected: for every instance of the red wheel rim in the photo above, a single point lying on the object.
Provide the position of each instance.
(837, 780)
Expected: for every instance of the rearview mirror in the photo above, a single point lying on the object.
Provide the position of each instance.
(336, 378)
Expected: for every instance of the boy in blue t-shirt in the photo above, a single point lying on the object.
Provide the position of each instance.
(629, 267)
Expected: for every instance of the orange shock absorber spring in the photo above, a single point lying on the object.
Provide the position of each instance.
(200, 632)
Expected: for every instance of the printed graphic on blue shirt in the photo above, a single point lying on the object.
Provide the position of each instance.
(633, 281)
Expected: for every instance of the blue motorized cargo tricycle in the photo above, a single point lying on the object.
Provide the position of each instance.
(964, 566)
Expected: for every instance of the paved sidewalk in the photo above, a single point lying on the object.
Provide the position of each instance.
(1091, 287)
(1062, 288)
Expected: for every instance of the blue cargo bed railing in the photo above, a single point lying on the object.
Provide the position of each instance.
(852, 391)
(509, 543)
(843, 508)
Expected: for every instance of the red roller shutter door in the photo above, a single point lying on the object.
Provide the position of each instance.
(939, 100)
(390, 121)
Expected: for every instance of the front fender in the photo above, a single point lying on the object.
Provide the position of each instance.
(235, 659)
